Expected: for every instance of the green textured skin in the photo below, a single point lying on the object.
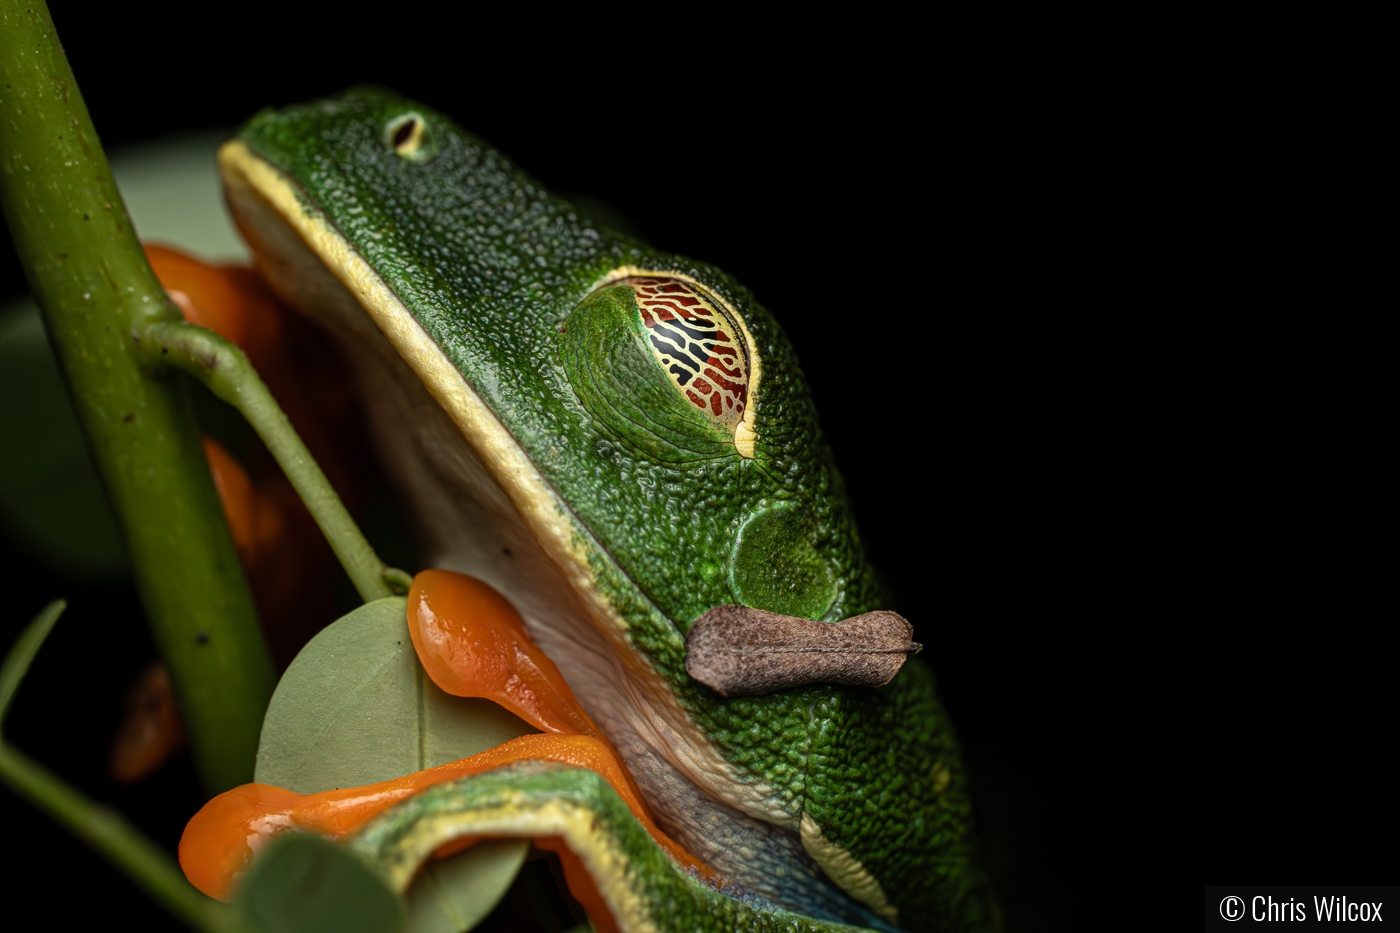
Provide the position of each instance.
(677, 901)
(799, 585)
(493, 267)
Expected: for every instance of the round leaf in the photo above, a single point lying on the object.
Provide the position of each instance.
(305, 884)
(356, 707)
(455, 894)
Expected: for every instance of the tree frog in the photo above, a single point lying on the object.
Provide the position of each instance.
(619, 440)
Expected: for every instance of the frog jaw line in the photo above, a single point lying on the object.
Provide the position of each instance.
(745, 436)
(558, 533)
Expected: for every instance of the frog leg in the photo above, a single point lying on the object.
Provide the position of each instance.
(613, 866)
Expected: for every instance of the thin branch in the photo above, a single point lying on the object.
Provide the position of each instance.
(226, 371)
(115, 839)
(101, 828)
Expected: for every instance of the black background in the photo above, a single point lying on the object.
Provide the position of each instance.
(988, 265)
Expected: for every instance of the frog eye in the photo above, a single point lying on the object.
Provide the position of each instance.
(699, 346)
(407, 135)
(664, 365)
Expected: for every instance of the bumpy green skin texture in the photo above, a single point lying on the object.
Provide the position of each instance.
(677, 901)
(801, 584)
(867, 762)
(493, 267)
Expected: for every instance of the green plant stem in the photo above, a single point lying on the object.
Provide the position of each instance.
(121, 844)
(98, 826)
(225, 370)
(97, 291)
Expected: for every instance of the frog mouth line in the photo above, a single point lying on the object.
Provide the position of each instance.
(515, 532)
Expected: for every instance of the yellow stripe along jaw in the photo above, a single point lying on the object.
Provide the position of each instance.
(846, 870)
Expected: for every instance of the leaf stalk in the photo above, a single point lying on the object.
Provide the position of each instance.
(226, 371)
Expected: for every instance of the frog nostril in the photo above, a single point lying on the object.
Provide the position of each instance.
(405, 135)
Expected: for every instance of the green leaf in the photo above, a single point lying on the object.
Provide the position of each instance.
(302, 883)
(22, 653)
(455, 894)
(356, 707)
(51, 500)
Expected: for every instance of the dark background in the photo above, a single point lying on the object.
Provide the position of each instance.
(986, 269)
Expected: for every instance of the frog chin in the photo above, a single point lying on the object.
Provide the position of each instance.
(483, 508)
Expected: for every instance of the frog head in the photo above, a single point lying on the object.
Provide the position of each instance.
(619, 439)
